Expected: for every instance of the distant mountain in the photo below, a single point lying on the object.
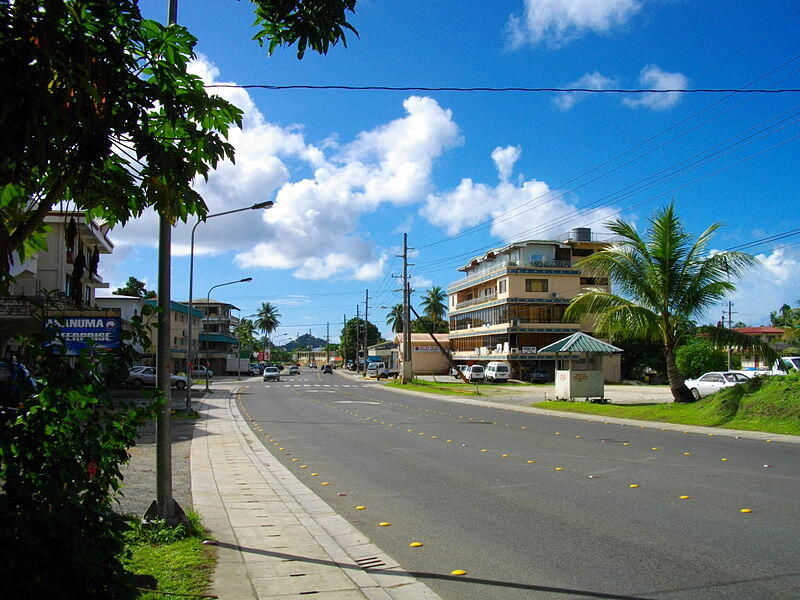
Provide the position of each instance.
(304, 341)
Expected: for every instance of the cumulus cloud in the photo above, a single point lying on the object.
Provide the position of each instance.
(505, 159)
(773, 282)
(528, 210)
(592, 81)
(556, 22)
(651, 77)
(312, 229)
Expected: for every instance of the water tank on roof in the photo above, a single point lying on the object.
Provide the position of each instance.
(581, 234)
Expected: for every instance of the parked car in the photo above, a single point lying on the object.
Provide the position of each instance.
(475, 373)
(139, 376)
(708, 383)
(272, 374)
(312, 366)
(538, 376)
(200, 372)
(387, 373)
(462, 368)
(255, 369)
(327, 369)
(294, 370)
(497, 372)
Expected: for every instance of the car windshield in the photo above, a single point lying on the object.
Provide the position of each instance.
(272, 369)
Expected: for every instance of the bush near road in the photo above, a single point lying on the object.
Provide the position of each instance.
(770, 404)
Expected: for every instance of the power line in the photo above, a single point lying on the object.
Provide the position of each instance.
(417, 88)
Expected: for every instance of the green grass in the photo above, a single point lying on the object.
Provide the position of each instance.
(434, 387)
(175, 557)
(770, 404)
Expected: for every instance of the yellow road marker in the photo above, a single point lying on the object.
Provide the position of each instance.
(433, 437)
(458, 572)
(303, 466)
(449, 441)
(683, 497)
(315, 474)
(577, 436)
(626, 444)
(653, 448)
(484, 450)
(531, 461)
(504, 455)
(295, 460)
(633, 485)
(558, 433)
(281, 448)
(745, 510)
(415, 545)
(383, 524)
(523, 427)
(723, 459)
(559, 468)
(360, 507)
(326, 483)
(687, 453)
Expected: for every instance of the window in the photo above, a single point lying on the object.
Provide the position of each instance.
(536, 285)
(502, 286)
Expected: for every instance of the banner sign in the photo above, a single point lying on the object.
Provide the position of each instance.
(103, 331)
(426, 349)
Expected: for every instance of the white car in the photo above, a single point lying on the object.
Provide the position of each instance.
(708, 383)
(272, 373)
(475, 373)
(462, 368)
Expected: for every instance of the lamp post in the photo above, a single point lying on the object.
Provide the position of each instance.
(260, 205)
(208, 302)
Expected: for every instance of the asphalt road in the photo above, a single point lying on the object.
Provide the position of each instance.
(537, 506)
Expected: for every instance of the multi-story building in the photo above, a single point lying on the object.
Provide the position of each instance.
(179, 336)
(216, 343)
(511, 301)
(59, 280)
(771, 335)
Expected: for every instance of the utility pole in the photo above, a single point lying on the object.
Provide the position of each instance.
(366, 329)
(407, 373)
(730, 326)
(358, 336)
(327, 343)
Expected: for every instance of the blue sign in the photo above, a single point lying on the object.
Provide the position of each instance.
(75, 331)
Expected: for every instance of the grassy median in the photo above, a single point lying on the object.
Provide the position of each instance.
(435, 387)
(770, 404)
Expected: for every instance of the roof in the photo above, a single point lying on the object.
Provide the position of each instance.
(423, 337)
(218, 337)
(204, 301)
(177, 307)
(581, 342)
(759, 330)
(478, 259)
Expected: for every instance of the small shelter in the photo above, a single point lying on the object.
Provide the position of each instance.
(584, 379)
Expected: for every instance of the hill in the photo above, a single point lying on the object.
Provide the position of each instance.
(304, 341)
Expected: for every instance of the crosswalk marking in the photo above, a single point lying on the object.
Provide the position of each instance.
(297, 385)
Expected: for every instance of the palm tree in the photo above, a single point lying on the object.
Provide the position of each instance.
(663, 280)
(244, 332)
(395, 318)
(267, 318)
(433, 304)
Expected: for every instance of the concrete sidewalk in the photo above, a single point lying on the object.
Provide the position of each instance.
(276, 538)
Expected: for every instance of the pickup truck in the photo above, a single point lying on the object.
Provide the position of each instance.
(387, 373)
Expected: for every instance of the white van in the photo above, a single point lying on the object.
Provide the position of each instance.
(498, 372)
(475, 373)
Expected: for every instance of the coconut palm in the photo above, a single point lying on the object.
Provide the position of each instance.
(662, 280)
(267, 318)
(433, 304)
(395, 318)
(244, 332)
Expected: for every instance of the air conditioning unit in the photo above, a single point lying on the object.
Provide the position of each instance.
(514, 350)
(515, 322)
(554, 294)
(477, 350)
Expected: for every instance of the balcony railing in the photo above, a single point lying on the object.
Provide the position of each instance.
(501, 269)
(474, 301)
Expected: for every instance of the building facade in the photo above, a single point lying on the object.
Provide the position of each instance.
(217, 342)
(771, 335)
(179, 336)
(511, 302)
(60, 279)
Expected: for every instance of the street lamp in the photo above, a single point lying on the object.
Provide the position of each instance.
(258, 206)
(208, 301)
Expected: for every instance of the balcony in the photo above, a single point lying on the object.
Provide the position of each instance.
(499, 270)
(474, 301)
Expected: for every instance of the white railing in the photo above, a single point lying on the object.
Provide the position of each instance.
(475, 301)
(497, 270)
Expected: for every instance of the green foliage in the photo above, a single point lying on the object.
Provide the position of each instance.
(395, 318)
(347, 343)
(60, 470)
(433, 304)
(315, 24)
(640, 355)
(279, 355)
(135, 287)
(424, 324)
(267, 318)
(698, 357)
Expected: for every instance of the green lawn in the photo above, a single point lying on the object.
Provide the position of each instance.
(181, 565)
(770, 404)
(434, 387)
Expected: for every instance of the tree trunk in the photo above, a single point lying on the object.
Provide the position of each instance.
(680, 393)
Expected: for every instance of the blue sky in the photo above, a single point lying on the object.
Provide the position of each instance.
(350, 171)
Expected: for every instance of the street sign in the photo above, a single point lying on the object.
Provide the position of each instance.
(75, 331)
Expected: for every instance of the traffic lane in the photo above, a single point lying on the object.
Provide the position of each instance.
(488, 530)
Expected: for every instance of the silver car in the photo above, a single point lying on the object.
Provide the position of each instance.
(272, 373)
(142, 375)
(708, 383)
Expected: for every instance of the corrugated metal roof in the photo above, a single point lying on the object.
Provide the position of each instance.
(581, 342)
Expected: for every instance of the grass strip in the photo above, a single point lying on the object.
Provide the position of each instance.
(770, 404)
(175, 557)
(434, 387)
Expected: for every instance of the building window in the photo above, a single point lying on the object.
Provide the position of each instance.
(536, 285)
(501, 286)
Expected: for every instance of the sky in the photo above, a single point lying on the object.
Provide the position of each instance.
(351, 171)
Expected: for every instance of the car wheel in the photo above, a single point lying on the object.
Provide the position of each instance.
(180, 385)
(695, 394)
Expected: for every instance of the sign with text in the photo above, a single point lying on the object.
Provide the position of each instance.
(104, 332)
(426, 349)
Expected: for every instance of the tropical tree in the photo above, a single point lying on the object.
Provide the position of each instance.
(433, 304)
(267, 318)
(395, 318)
(134, 287)
(662, 280)
(245, 333)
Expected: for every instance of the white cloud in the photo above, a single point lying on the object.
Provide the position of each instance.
(505, 159)
(651, 77)
(557, 22)
(528, 210)
(592, 81)
(420, 283)
(312, 228)
(773, 282)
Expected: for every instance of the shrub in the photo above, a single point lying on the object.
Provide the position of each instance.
(698, 357)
